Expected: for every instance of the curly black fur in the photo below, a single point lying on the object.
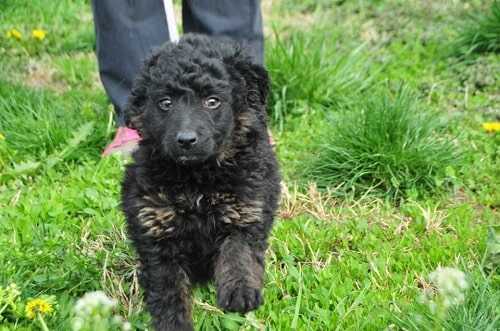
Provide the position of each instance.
(201, 195)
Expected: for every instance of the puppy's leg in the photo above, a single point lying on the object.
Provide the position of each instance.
(167, 293)
(239, 272)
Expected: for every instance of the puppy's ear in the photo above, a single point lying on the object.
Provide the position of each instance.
(255, 75)
(258, 79)
(135, 105)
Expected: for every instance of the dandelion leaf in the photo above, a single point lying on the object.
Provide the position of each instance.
(26, 167)
(79, 136)
(493, 248)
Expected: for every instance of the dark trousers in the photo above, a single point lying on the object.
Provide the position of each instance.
(127, 29)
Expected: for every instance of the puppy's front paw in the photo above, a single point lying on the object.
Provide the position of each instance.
(240, 298)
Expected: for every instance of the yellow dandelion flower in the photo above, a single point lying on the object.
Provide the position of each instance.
(2, 136)
(38, 34)
(491, 126)
(14, 33)
(38, 306)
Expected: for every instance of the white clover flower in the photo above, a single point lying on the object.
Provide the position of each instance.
(127, 326)
(94, 311)
(451, 285)
(94, 301)
(78, 323)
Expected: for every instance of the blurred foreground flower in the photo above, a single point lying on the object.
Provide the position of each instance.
(93, 301)
(451, 285)
(38, 34)
(2, 136)
(14, 33)
(491, 126)
(94, 311)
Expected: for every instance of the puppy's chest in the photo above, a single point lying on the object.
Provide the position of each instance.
(218, 207)
(191, 212)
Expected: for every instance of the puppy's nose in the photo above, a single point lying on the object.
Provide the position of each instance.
(187, 139)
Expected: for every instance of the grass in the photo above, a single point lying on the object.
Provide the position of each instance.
(336, 261)
(480, 33)
(333, 78)
(387, 144)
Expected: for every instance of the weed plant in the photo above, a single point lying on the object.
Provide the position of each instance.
(388, 144)
(479, 32)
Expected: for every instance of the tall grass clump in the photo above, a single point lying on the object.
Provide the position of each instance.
(389, 145)
(308, 70)
(479, 33)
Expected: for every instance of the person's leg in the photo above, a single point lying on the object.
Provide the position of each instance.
(234, 19)
(125, 32)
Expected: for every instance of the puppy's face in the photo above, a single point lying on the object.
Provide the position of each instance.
(189, 111)
(190, 96)
(193, 126)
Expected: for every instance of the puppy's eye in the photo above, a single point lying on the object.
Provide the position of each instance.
(211, 102)
(165, 103)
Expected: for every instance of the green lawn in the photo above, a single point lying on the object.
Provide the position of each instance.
(377, 108)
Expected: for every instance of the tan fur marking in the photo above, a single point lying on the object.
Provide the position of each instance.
(244, 123)
(157, 221)
(236, 212)
(250, 214)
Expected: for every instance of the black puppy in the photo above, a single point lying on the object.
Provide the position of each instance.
(201, 195)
